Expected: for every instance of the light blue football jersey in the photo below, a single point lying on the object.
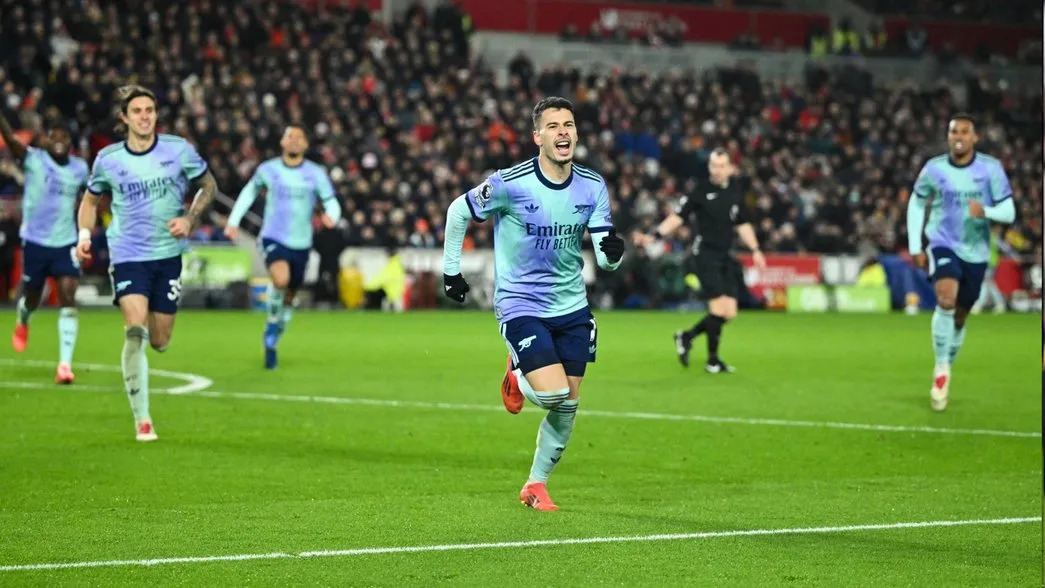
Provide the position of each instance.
(49, 198)
(291, 195)
(148, 190)
(951, 187)
(538, 229)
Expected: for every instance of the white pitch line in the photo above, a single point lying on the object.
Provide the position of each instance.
(193, 382)
(621, 415)
(593, 413)
(197, 381)
(515, 544)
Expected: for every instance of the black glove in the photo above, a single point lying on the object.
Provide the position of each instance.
(612, 246)
(455, 287)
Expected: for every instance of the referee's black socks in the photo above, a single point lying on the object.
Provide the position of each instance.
(713, 326)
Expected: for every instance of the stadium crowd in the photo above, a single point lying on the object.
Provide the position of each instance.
(406, 118)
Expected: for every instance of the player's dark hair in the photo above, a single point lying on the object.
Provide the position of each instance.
(547, 103)
(719, 151)
(125, 94)
(966, 117)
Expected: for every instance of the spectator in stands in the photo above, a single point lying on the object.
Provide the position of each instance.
(845, 40)
(875, 40)
(916, 40)
(405, 119)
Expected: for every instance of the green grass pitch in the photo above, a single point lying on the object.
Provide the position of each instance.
(386, 431)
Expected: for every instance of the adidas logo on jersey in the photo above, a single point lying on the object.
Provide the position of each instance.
(531, 208)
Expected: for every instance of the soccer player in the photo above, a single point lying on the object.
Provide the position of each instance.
(148, 176)
(292, 185)
(962, 190)
(540, 209)
(718, 209)
(53, 179)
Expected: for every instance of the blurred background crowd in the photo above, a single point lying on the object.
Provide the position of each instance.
(407, 115)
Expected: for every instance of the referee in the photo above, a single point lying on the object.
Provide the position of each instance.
(718, 210)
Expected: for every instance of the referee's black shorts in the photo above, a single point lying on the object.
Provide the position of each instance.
(718, 274)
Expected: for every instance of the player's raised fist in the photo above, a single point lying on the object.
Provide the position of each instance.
(455, 287)
(976, 209)
(612, 246)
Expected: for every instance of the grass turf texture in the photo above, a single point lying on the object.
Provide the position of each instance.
(253, 476)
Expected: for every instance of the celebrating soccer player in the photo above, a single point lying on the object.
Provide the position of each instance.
(292, 185)
(962, 191)
(718, 209)
(148, 176)
(541, 208)
(53, 179)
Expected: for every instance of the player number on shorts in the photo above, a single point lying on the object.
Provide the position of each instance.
(175, 292)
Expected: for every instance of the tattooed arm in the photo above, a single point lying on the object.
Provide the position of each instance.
(206, 190)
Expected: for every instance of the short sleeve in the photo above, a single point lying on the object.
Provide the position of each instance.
(192, 165)
(738, 214)
(600, 219)
(84, 173)
(686, 206)
(1000, 188)
(488, 199)
(32, 159)
(99, 183)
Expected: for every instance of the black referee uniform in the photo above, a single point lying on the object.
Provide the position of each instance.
(714, 212)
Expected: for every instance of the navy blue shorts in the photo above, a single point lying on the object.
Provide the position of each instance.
(159, 281)
(40, 263)
(538, 342)
(943, 263)
(297, 259)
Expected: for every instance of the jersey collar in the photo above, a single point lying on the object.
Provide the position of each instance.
(959, 165)
(548, 183)
(155, 142)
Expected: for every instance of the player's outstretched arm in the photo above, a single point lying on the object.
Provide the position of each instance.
(16, 146)
(457, 217)
(665, 229)
(85, 219)
(244, 201)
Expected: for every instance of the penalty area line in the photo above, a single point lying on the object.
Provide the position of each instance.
(516, 544)
(193, 382)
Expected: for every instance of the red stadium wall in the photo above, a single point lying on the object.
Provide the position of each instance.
(705, 24)
(967, 36)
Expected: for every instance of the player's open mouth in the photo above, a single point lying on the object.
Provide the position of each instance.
(562, 147)
(959, 145)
